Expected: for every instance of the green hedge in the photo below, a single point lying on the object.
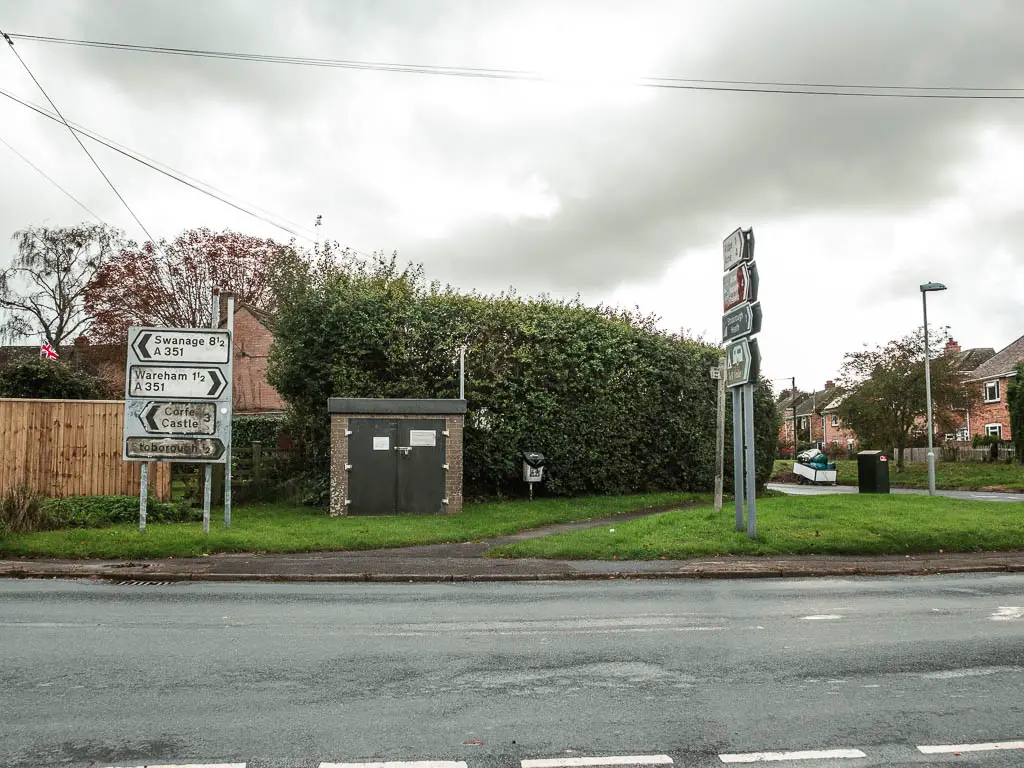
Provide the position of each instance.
(617, 405)
(100, 511)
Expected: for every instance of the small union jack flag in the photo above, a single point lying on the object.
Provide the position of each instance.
(48, 352)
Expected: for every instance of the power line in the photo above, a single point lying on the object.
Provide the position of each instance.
(46, 176)
(106, 178)
(678, 83)
(155, 165)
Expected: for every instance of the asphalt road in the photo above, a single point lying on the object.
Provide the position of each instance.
(820, 490)
(291, 675)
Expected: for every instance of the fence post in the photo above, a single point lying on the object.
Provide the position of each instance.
(257, 459)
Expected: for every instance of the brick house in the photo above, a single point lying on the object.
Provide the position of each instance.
(965, 361)
(817, 420)
(251, 392)
(988, 412)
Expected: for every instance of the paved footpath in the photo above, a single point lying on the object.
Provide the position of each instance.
(822, 490)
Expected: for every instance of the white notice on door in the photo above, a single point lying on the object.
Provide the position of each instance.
(382, 443)
(422, 437)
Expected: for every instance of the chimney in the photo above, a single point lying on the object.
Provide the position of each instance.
(829, 384)
(952, 347)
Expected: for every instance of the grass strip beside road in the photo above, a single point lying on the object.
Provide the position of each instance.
(278, 528)
(951, 475)
(798, 525)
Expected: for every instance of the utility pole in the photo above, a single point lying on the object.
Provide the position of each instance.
(796, 439)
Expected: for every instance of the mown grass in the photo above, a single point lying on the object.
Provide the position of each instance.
(839, 525)
(953, 475)
(279, 528)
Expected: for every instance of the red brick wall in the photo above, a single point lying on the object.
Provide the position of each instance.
(251, 392)
(840, 434)
(983, 413)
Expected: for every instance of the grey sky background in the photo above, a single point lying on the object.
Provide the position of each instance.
(588, 185)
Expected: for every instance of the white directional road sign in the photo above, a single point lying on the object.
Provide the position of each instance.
(179, 418)
(178, 395)
(742, 362)
(737, 248)
(173, 345)
(188, 382)
(174, 448)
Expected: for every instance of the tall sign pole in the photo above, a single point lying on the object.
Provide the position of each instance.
(208, 469)
(718, 374)
(741, 320)
(229, 416)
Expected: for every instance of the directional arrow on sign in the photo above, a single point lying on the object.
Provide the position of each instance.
(174, 448)
(181, 345)
(744, 320)
(176, 382)
(179, 418)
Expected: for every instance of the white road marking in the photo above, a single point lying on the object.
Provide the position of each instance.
(822, 617)
(400, 764)
(1008, 613)
(572, 762)
(810, 754)
(936, 749)
(550, 631)
(184, 765)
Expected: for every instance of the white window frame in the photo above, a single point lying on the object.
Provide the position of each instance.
(835, 420)
(994, 384)
(994, 429)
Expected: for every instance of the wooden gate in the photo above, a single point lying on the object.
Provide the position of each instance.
(71, 448)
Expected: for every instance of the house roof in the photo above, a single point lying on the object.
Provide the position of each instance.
(1001, 364)
(806, 402)
(261, 315)
(968, 359)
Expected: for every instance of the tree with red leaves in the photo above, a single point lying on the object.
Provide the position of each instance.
(170, 284)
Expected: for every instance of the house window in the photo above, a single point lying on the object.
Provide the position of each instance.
(835, 420)
(849, 443)
(994, 430)
(803, 422)
(991, 391)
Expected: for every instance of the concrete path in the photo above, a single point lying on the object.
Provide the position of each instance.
(820, 490)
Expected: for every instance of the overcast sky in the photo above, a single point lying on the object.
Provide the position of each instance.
(585, 185)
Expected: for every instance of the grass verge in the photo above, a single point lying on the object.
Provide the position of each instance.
(800, 525)
(952, 475)
(278, 528)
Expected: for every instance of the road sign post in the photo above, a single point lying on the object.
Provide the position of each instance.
(741, 320)
(718, 373)
(177, 399)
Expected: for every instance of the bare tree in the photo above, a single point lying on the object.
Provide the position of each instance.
(43, 290)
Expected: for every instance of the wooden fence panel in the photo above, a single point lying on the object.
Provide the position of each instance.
(71, 448)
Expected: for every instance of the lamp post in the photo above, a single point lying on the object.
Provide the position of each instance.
(925, 290)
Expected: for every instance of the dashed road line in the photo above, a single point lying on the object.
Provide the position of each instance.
(400, 764)
(1008, 613)
(822, 617)
(939, 749)
(582, 762)
(181, 765)
(810, 754)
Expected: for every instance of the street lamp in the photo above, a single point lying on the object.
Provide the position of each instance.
(925, 290)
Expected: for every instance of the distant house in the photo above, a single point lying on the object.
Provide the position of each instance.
(965, 361)
(817, 421)
(253, 338)
(988, 412)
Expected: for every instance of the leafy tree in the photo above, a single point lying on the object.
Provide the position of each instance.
(1015, 402)
(43, 290)
(170, 285)
(615, 404)
(885, 401)
(50, 379)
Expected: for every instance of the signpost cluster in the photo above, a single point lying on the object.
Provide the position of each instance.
(741, 321)
(177, 404)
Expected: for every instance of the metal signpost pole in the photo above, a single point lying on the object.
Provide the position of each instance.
(143, 494)
(748, 418)
(227, 452)
(720, 437)
(737, 454)
(208, 469)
